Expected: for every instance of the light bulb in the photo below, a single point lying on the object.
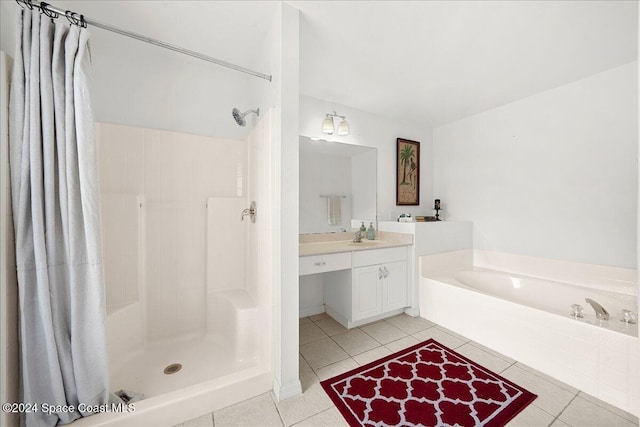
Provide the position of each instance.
(327, 125)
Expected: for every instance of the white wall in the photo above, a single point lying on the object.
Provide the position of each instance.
(138, 84)
(553, 175)
(281, 59)
(381, 133)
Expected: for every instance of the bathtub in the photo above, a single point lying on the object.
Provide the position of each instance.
(526, 316)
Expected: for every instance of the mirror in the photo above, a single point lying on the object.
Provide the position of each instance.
(347, 171)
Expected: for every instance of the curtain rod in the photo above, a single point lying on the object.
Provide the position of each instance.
(77, 19)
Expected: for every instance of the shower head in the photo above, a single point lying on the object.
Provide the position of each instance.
(239, 117)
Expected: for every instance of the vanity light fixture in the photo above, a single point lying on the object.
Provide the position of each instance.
(328, 126)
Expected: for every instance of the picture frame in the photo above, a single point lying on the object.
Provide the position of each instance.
(407, 172)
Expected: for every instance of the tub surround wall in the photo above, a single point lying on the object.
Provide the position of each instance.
(599, 361)
(622, 280)
(553, 175)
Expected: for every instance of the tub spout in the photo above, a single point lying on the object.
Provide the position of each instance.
(601, 313)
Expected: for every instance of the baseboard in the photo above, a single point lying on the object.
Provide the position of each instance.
(310, 311)
(412, 311)
(284, 392)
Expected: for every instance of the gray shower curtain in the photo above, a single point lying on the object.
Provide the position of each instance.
(56, 213)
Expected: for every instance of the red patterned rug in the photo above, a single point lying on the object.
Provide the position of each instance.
(429, 385)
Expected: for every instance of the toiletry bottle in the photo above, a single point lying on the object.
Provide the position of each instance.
(371, 233)
(363, 229)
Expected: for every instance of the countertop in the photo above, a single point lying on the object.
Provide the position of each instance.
(331, 243)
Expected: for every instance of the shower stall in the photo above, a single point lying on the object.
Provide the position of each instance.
(187, 281)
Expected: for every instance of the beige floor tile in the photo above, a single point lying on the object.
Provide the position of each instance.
(401, 344)
(303, 366)
(551, 398)
(493, 352)
(327, 418)
(320, 316)
(582, 413)
(310, 332)
(337, 368)
(203, 421)
(483, 358)
(304, 320)
(609, 407)
(322, 352)
(558, 423)
(409, 324)
(331, 327)
(547, 377)
(261, 410)
(383, 332)
(312, 401)
(440, 336)
(355, 342)
(531, 416)
(371, 355)
(455, 334)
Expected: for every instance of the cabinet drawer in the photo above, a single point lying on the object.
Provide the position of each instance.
(322, 263)
(379, 256)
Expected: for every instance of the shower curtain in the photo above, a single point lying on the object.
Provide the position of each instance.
(55, 199)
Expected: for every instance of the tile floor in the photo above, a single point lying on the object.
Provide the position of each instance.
(327, 349)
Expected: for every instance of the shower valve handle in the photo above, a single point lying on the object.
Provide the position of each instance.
(251, 211)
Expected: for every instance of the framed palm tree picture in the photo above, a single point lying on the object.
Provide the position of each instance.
(407, 172)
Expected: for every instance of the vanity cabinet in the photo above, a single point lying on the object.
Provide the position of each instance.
(379, 289)
(376, 287)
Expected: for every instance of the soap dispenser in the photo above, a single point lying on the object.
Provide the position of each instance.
(363, 229)
(371, 232)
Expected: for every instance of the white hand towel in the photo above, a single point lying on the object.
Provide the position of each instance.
(334, 216)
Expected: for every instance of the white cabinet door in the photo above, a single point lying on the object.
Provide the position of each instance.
(367, 292)
(394, 286)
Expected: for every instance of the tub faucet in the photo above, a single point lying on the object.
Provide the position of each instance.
(601, 313)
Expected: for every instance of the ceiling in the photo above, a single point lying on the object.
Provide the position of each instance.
(429, 62)
(434, 62)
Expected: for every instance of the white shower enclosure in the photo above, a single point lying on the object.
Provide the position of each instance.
(188, 284)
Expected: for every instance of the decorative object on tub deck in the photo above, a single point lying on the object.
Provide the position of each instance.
(426, 384)
(423, 218)
(436, 207)
(407, 172)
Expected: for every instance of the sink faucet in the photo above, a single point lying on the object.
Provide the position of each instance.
(358, 237)
(601, 313)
